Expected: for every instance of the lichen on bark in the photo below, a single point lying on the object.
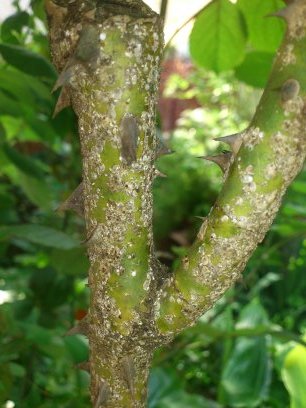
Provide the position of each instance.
(108, 54)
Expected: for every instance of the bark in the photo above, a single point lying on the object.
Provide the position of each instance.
(108, 54)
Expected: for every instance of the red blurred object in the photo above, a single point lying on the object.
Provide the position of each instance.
(79, 314)
(171, 108)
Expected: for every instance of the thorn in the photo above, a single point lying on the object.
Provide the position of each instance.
(65, 76)
(234, 141)
(103, 395)
(85, 366)
(202, 229)
(162, 149)
(80, 328)
(200, 218)
(290, 89)
(91, 236)
(128, 369)
(62, 102)
(223, 160)
(284, 13)
(75, 201)
(159, 174)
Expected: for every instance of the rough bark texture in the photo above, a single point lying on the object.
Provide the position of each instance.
(108, 54)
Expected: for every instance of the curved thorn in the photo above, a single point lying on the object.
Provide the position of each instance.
(64, 76)
(62, 102)
(75, 201)
(284, 13)
(234, 141)
(160, 174)
(223, 160)
(85, 366)
(80, 328)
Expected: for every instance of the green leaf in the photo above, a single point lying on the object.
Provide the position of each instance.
(161, 383)
(70, 262)
(265, 33)
(246, 375)
(24, 87)
(255, 68)
(294, 376)
(27, 61)
(37, 191)
(218, 38)
(39, 234)
(182, 399)
(25, 164)
(78, 348)
(45, 340)
(9, 106)
(13, 23)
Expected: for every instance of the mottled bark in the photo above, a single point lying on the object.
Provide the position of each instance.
(108, 54)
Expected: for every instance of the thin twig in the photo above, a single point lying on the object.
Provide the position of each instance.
(184, 25)
(163, 9)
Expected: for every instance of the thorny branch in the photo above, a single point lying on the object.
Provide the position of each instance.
(108, 54)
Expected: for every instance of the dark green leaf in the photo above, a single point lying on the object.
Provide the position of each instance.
(12, 24)
(27, 61)
(37, 191)
(72, 262)
(255, 69)
(246, 375)
(181, 399)
(39, 234)
(78, 348)
(25, 88)
(23, 163)
(9, 106)
(218, 38)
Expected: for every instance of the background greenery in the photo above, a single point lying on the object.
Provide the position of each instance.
(247, 351)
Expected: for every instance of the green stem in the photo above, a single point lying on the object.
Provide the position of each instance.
(272, 153)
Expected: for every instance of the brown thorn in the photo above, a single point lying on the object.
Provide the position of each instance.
(223, 160)
(64, 77)
(103, 395)
(200, 218)
(284, 13)
(202, 229)
(234, 141)
(85, 366)
(90, 237)
(80, 328)
(62, 102)
(75, 201)
(160, 174)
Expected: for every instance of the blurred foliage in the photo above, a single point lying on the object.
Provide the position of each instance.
(248, 350)
(243, 36)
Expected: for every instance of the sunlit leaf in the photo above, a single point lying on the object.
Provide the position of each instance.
(265, 33)
(218, 38)
(294, 376)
